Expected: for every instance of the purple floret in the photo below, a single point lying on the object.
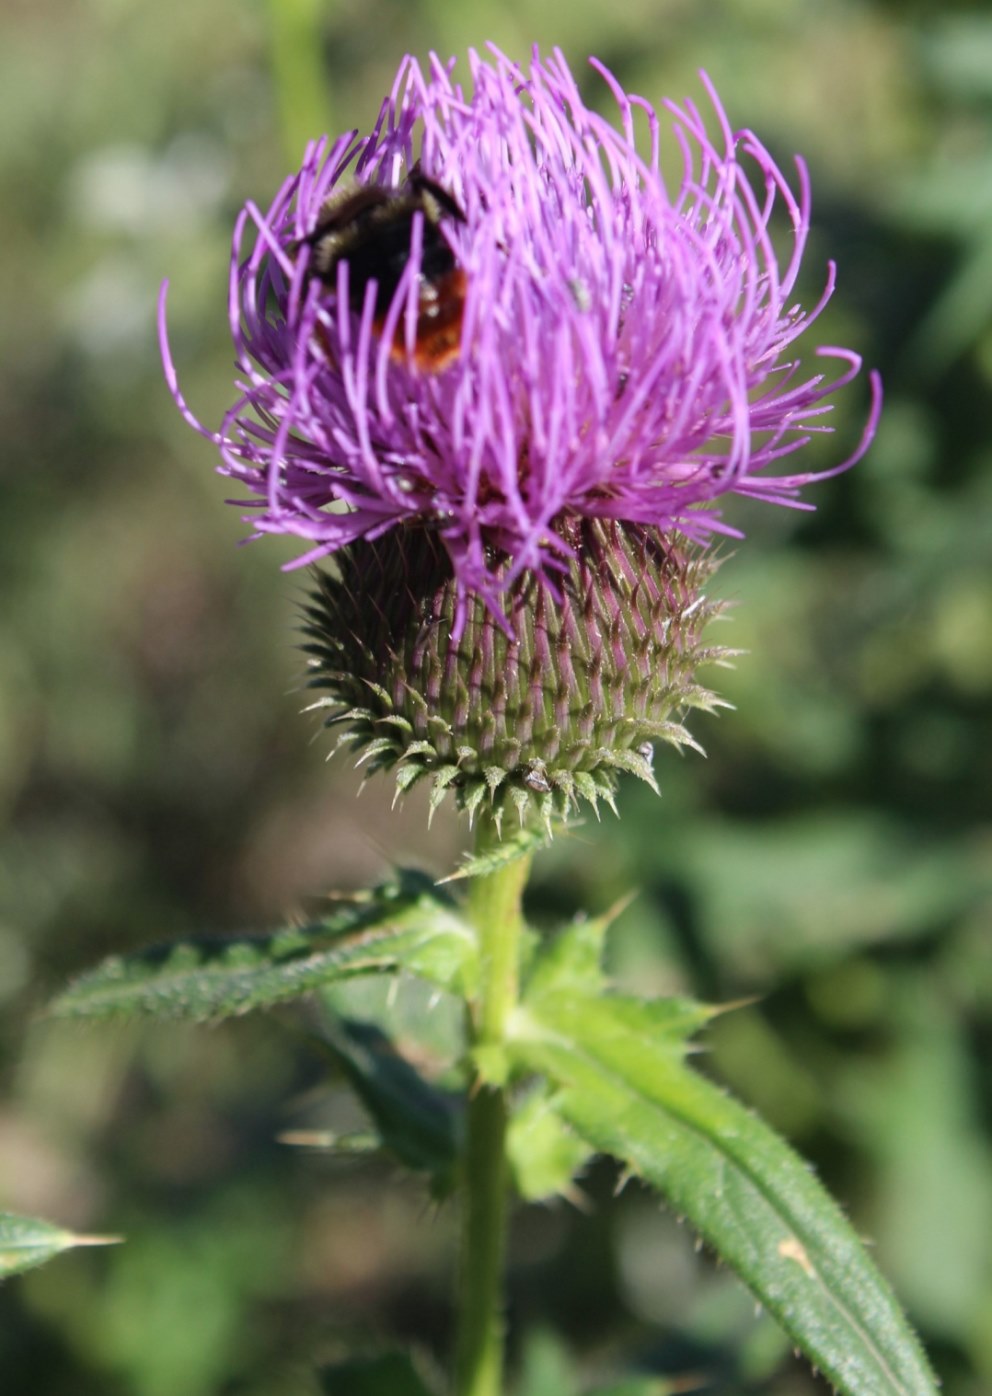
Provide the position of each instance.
(626, 347)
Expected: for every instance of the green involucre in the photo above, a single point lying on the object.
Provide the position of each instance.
(532, 716)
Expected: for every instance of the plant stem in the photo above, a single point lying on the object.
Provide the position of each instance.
(494, 909)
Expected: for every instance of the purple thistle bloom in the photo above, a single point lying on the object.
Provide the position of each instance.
(626, 349)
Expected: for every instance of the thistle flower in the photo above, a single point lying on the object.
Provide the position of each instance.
(614, 357)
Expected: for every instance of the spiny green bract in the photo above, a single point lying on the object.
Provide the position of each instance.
(534, 715)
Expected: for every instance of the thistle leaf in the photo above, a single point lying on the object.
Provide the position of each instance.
(544, 1152)
(405, 925)
(517, 844)
(624, 1087)
(572, 959)
(415, 1121)
(26, 1242)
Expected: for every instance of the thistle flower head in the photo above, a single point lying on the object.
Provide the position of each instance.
(506, 370)
(623, 349)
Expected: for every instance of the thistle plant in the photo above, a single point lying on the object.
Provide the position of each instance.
(502, 376)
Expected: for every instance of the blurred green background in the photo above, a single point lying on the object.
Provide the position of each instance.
(831, 858)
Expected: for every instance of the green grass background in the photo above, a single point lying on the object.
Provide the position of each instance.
(831, 857)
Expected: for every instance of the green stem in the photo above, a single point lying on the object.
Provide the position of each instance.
(494, 909)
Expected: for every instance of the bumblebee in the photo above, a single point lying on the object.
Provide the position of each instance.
(370, 228)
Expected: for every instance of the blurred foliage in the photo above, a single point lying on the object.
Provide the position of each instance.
(829, 860)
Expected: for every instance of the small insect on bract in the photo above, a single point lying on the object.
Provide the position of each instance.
(371, 228)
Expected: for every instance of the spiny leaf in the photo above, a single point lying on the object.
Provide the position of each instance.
(624, 1086)
(415, 1120)
(516, 844)
(407, 925)
(26, 1242)
(573, 958)
(544, 1152)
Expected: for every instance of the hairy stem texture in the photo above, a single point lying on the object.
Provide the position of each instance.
(495, 911)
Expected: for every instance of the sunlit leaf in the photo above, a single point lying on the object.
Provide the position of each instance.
(545, 1153)
(406, 925)
(573, 958)
(26, 1242)
(519, 843)
(624, 1086)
